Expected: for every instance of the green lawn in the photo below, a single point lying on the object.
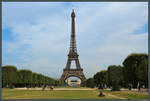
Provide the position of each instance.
(66, 94)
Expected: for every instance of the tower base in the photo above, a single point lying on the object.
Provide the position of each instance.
(73, 72)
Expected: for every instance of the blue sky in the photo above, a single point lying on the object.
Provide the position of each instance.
(36, 36)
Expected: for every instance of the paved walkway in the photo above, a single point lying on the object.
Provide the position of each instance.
(57, 89)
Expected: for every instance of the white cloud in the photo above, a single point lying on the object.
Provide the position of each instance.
(104, 33)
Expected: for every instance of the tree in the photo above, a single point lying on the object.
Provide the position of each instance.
(142, 70)
(9, 75)
(39, 79)
(136, 69)
(26, 77)
(101, 79)
(90, 83)
(115, 76)
(34, 79)
(19, 79)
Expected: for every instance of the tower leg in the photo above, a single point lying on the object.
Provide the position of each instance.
(77, 64)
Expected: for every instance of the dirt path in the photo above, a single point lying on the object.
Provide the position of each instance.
(107, 94)
(57, 89)
(74, 89)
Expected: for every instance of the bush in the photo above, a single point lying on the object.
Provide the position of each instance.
(11, 87)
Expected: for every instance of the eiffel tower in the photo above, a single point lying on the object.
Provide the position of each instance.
(73, 56)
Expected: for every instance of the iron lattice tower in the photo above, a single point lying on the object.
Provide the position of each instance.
(73, 56)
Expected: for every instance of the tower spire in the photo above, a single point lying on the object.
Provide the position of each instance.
(73, 41)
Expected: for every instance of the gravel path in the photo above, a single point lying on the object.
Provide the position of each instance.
(56, 89)
(107, 94)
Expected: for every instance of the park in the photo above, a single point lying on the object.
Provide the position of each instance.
(126, 81)
(25, 84)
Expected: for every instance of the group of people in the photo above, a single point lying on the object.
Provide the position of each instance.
(139, 87)
(50, 87)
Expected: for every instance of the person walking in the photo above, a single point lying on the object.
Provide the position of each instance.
(43, 87)
(51, 88)
(138, 87)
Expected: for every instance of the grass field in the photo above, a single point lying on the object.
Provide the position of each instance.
(67, 94)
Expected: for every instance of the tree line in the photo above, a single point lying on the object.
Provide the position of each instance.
(132, 74)
(12, 77)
